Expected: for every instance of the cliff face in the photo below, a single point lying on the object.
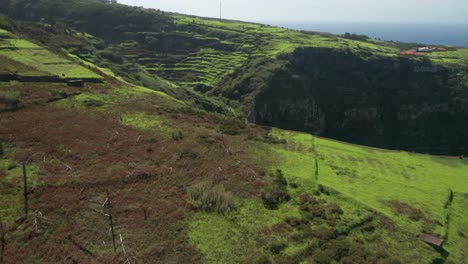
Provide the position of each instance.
(396, 103)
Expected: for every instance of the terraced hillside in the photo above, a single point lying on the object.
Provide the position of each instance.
(205, 68)
(25, 60)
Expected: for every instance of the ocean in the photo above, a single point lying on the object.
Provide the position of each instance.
(443, 34)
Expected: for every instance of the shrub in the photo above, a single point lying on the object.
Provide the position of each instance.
(1, 148)
(355, 36)
(325, 233)
(177, 135)
(204, 196)
(323, 257)
(323, 189)
(401, 208)
(93, 103)
(275, 191)
(113, 56)
(333, 208)
(11, 166)
(261, 258)
(6, 23)
(10, 99)
(269, 139)
(339, 248)
(186, 154)
(294, 185)
(293, 221)
(277, 246)
(229, 130)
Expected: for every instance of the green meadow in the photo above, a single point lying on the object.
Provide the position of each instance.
(42, 60)
(413, 190)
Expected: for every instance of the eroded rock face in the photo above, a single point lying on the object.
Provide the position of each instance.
(396, 103)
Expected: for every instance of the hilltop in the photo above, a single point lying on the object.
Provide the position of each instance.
(160, 129)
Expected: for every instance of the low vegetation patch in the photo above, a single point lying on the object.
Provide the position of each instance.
(275, 191)
(205, 196)
(401, 208)
(10, 100)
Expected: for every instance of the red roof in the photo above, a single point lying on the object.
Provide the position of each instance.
(412, 52)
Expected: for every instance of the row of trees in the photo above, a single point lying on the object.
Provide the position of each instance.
(353, 36)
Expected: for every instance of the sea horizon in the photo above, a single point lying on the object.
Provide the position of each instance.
(448, 33)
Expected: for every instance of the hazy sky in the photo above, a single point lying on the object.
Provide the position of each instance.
(319, 10)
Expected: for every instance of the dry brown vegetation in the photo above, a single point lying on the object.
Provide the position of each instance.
(83, 154)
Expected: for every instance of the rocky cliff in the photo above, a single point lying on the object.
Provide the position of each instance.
(397, 103)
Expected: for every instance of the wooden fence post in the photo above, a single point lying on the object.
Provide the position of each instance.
(314, 146)
(25, 189)
(111, 221)
(2, 240)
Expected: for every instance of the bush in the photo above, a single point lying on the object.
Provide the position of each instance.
(323, 189)
(261, 258)
(333, 208)
(10, 99)
(1, 148)
(93, 103)
(177, 135)
(113, 56)
(323, 257)
(204, 196)
(229, 130)
(401, 208)
(355, 36)
(325, 233)
(277, 246)
(275, 191)
(6, 23)
(293, 221)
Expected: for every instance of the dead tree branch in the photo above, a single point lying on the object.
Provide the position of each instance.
(108, 204)
(37, 220)
(83, 249)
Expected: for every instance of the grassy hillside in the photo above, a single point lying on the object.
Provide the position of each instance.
(187, 185)
(26, 59)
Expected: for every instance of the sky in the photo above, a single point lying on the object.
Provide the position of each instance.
(385, 11)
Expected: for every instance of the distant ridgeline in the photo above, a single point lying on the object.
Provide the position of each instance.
(349, 88)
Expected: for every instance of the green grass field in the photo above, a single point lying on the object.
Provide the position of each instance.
(43, 61)
(394, 184)
(374, 176)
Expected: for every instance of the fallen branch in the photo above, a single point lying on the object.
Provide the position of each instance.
(102, 213)
(68, 168)
(37, 220)
(80, 247)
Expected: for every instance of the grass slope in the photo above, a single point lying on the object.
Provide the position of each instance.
(41, 61)
(410, 189)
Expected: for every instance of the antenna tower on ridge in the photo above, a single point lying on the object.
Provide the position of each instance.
(220, 10)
